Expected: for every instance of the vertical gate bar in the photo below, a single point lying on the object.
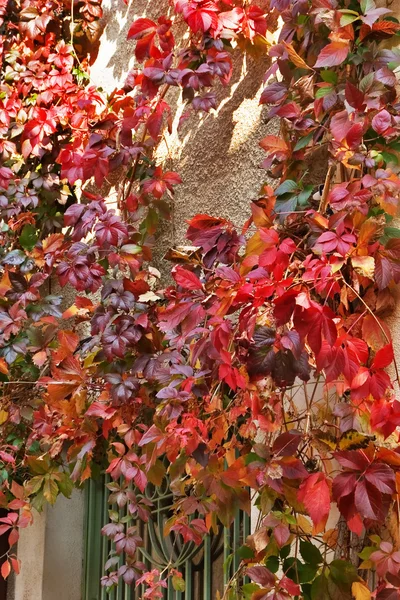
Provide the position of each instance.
(104, 540)
(246, 526)
(227, 541)
(236, 542)
(92, 547)
(207, 568)
(88, 540)
(246, 533)
(188, 580)
(120, 587)
(170, 590)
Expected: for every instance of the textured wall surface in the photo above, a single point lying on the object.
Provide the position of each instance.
(62, 569)
(31, 551)
(51, 554)
(217, 155)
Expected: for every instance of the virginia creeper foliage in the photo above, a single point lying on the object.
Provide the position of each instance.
(265, 372)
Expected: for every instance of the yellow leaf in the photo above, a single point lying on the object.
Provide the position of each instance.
(304, 524)
(364, 265)
(3, 416)
(353, 440)
(295, 58)
(360, 591)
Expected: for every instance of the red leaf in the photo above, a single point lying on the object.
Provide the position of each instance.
(382, 477)
(13, 537)
(383, 271)
(353, 459)
(343, 485)
(281, 534)
(315, 494)
(5, 569)
(382, 121)
(368, 501)
(332, 55)
(384, 357)
(140, 28)
(354, 96)
(261, 575)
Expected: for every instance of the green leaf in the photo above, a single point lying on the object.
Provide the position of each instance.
(343, 573)
(348, 16)
(303, 197)
(390, 158)
(227, 564)
(390, 233)
(284, 553)
(323, 91)
(131, 249)
(272, 563)
(288, 206)
(303, 142)
(298, 571)
(178, 583)
(65, 485)
(366, 552)
(286, 187)
(367, 5)
(28, 237)
(248, 590)
(319, 588)
(245, 552)
(366, 82)
(329, 76)
(50, 490)
(310, 553)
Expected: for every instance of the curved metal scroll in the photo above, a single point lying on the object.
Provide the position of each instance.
(201, 566)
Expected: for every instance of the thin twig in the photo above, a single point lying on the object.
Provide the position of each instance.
(327, 185)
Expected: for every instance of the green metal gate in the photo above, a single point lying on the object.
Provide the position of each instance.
(205, 568)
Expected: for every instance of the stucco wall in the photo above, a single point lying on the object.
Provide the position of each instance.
(217, 155)
(51, 554)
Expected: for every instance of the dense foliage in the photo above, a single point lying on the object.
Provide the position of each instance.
(261, 375)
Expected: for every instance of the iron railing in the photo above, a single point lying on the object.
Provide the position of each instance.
(205, 568)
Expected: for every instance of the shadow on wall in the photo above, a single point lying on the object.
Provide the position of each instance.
(217, 156)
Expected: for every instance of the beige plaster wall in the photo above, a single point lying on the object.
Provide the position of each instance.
(217, 155)
(51, 554)
(63, 560)
(31, 551)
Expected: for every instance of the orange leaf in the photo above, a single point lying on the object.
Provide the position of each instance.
(5, 284)
(5, 569)
(3, 367)
(373, 331)
(39, 358)
(68, 340)
(295, 58)
(273, 143)
(380, 29)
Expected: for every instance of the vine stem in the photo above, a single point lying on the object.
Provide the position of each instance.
(389, 341)
(327, 185)
(143, 138)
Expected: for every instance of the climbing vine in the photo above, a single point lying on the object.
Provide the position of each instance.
(265, 372)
